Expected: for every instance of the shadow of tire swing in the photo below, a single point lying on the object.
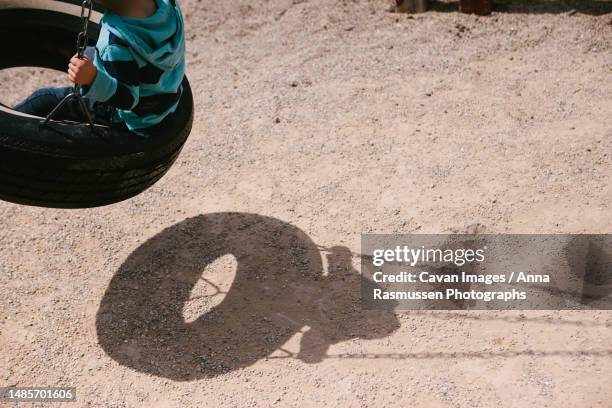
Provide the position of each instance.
(280, 289)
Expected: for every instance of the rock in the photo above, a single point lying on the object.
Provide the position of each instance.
(410, 6)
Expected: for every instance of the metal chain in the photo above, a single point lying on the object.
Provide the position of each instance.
(81, 44)
(82, 38)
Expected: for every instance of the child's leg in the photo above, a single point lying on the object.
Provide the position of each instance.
(42, 102)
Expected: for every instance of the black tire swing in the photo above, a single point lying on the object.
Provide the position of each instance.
(67, 164)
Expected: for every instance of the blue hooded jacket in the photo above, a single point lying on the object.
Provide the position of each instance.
(141, 64)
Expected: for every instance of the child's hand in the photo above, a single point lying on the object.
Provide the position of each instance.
(81, 71)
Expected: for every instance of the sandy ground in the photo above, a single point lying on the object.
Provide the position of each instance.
(317, 121)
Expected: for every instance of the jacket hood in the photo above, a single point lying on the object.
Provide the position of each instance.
(158, 39)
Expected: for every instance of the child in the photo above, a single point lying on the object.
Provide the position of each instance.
(134, 77)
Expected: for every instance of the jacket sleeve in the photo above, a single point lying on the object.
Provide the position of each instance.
(117, 80)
